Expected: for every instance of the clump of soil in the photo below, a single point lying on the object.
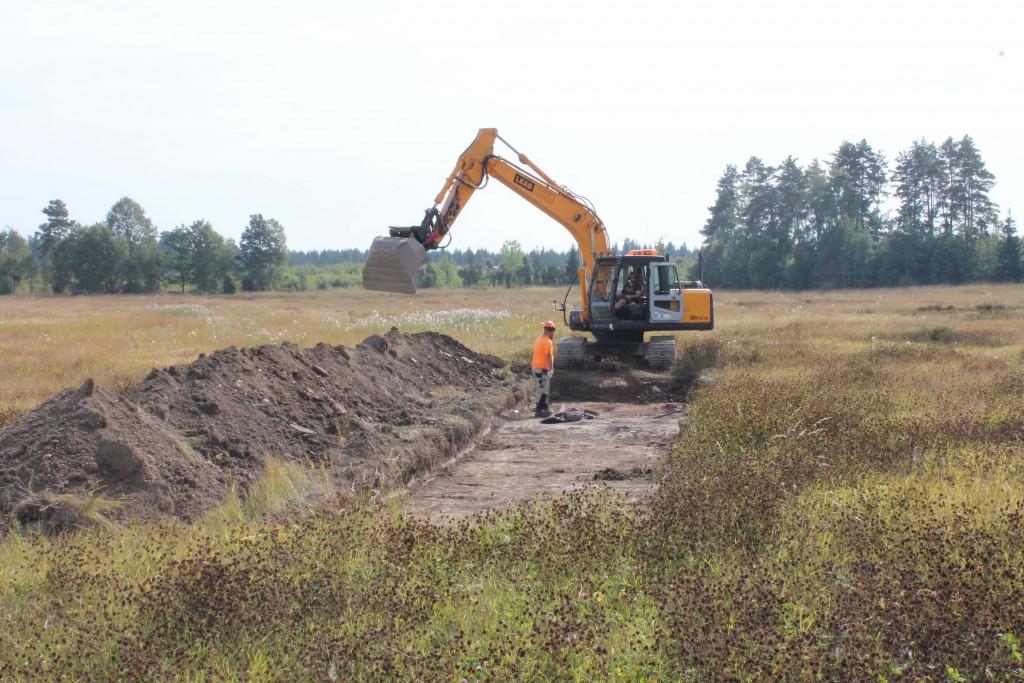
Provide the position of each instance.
(374, 415)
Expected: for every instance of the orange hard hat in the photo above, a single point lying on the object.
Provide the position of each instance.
(548, 325)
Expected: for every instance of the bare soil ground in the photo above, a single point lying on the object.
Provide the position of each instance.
(391, 410)
(522, 459)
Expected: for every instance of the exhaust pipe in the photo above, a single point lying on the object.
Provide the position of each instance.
(392, 264)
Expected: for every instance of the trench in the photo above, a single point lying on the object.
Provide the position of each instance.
(521, 459)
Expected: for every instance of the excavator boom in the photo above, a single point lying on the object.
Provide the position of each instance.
(394, 261)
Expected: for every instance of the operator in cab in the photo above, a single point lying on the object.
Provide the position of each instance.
(543, 367)
(630, 292)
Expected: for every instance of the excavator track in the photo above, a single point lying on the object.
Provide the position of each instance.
(571, 353)
(661, 353)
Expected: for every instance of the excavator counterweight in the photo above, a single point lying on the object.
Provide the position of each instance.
(392, 264)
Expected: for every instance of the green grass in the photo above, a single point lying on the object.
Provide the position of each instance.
(846, 505)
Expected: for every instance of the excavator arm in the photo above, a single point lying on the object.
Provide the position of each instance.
(394, 260)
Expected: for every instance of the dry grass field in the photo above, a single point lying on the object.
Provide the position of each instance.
(49, 343)
(846, 504)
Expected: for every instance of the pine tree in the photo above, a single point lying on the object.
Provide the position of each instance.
(859, 176)
(919, 177)
(951, 198)
(1009, 268)
(981, 215)
(56, 227)
(822, 209)
(791, 187)
(721, 234)
(572, 265)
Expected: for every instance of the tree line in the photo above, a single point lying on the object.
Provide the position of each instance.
(512, 266)
(126, 254)
(826, 225)
(849, 221)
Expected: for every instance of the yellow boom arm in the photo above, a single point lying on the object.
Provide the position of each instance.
(471, 172)
(479, 162)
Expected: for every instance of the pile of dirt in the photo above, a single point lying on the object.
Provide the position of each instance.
(374, 416)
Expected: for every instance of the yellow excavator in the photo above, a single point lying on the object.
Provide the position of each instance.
(618, 323)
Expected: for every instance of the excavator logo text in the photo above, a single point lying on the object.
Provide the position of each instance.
(523, 182)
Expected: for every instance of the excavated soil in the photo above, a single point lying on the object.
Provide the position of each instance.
(395, 410)
(374, 416)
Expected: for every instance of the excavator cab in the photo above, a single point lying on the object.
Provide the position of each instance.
(612, 276)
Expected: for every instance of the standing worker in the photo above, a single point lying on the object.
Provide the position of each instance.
(544, 367)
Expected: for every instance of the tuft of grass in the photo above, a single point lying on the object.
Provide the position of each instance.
(182, 442)
(698, 356)
(8, 415)
(280, 484)
(86, 510)
(56, 514)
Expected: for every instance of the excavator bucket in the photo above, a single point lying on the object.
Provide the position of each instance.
(392, 264)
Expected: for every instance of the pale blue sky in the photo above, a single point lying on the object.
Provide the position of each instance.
(339, 119)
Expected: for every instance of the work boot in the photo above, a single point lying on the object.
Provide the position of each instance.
(542, 410)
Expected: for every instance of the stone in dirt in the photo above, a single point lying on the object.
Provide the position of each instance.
(373, 416)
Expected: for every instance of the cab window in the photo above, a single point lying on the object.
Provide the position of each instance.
(666, 281)
(600, 296)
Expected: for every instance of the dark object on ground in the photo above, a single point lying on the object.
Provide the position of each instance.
(570, 415)
(609, 474)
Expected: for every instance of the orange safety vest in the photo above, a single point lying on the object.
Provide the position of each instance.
(542, 348)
